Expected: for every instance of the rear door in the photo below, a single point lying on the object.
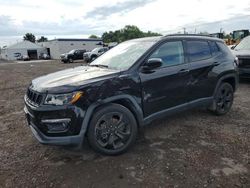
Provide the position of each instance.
(201, 62)
(165, 86)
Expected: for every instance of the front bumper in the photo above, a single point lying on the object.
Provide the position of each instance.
(65, 140)
(244, 72)
(43, 120)
(86, 58)
(64, 60)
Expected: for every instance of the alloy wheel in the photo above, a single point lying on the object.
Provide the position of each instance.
(112, 131)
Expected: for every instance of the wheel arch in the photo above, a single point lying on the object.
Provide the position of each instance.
(232, 79)
(125, 100)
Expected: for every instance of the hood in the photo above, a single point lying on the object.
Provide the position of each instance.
(240, 53)
(70, 79)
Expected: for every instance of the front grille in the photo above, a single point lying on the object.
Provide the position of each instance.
(244, 62)
(34, 98)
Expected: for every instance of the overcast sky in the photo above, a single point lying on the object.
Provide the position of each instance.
(80, 18)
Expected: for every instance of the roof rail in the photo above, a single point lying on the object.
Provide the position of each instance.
(202, 35)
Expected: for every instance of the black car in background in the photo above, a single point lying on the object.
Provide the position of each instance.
(242, 51)
(129, 86)
(72, 56)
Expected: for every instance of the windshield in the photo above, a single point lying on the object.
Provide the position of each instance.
(238, 35)
(244, 44)
(72, 51)
(96, 49)
(123, 55)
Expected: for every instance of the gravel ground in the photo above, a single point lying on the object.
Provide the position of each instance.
(190, 149)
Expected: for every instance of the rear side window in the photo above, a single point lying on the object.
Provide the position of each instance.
(171, 53)
(198, 50)
(214, 48)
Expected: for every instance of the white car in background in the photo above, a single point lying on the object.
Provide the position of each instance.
(91, 56)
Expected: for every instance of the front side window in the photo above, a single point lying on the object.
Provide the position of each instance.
(171, 53)
(198, 50)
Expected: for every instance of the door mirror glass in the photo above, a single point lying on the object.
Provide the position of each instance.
(153, 63)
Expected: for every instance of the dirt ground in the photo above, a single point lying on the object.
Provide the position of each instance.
(190, 149)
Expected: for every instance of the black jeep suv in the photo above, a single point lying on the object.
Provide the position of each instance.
(72, 56)
(129, 86)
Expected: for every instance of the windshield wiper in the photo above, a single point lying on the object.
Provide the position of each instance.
(99, 65)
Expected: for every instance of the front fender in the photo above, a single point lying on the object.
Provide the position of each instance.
(137, 110)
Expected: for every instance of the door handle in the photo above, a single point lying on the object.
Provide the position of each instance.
(183, 71)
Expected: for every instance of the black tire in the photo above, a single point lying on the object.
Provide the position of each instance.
(71, 60)
(223, 99)
(112, 130)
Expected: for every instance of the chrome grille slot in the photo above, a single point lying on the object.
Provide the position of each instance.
(244, 62)
(34, 98)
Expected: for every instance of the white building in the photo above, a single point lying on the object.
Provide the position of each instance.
(57, 47)
(22, 48)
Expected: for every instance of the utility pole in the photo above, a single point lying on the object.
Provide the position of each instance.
(184, 30)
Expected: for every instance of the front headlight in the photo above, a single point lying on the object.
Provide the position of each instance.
(61, 99)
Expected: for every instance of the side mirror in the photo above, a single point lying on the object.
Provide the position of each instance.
(152, 63)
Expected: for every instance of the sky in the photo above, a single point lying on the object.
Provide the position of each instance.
(81, 18)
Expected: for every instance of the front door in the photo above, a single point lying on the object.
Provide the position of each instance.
(166, 86)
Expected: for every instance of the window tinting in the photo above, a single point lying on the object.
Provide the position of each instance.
(214, 48)
(198, 50)
(171, 53)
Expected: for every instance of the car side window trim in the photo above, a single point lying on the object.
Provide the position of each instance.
(187, 54)
(219, 52)
(161, 44)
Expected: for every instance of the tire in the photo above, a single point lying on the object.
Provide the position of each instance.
(71, 60)
(112, 130)
(223, 99)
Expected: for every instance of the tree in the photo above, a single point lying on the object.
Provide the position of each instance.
(151, 34)
(30, 37)
(93, 37)
(42, 39)
(127, 33)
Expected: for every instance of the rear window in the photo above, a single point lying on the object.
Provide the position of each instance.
(198, 50)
